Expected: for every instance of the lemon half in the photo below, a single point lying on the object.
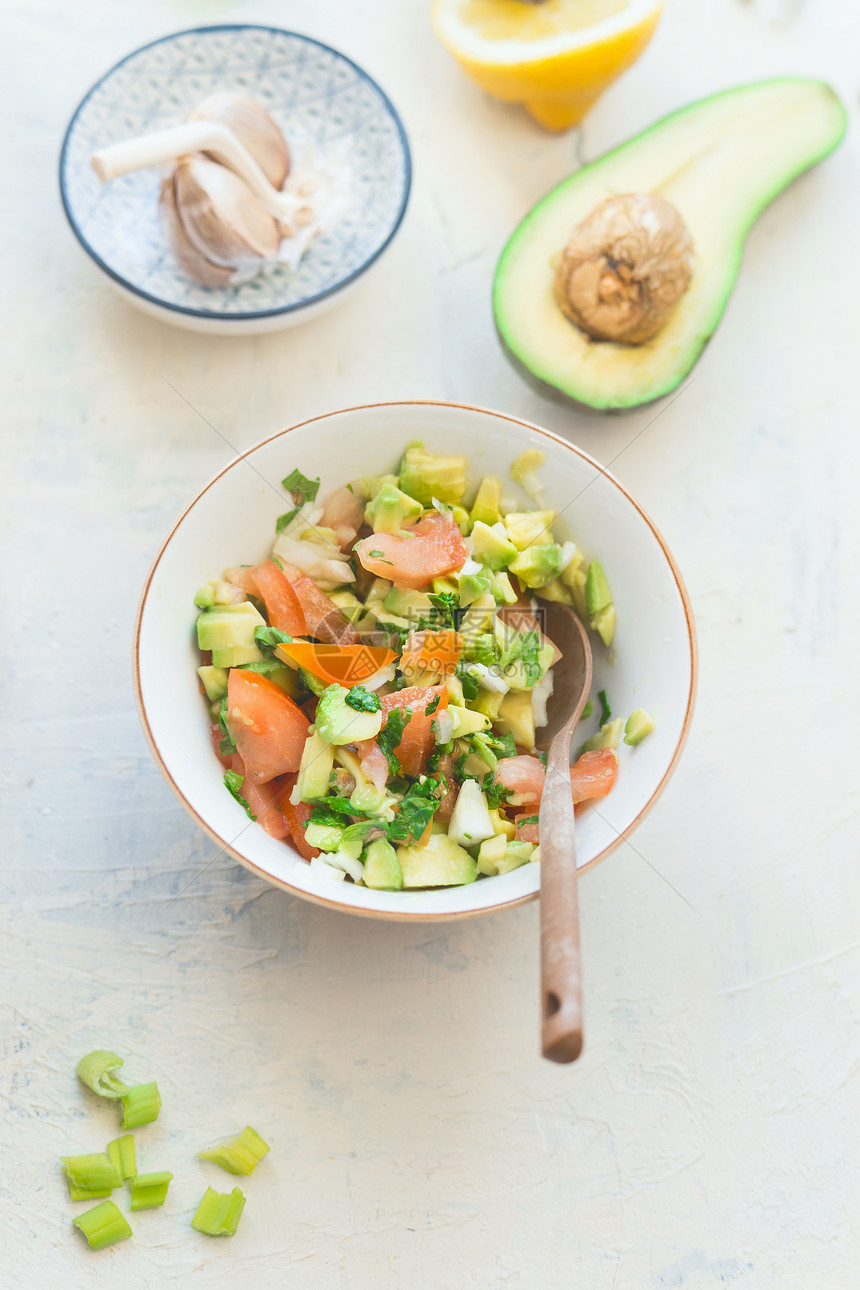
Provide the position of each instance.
(555, 57)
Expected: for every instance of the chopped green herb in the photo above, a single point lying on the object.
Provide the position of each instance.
(587, 710)
(391, 734)
(358, 832)
(241, 1154)
(96, 1071)
(531, 662)
(432, 706)
(362, 700)
(502, 745)
(605, 710)
(380, 556)
(495, 793)
(148, 1191)
(481, 747)
(528, 819)
(227, 744)
(218, 1214)
(332, 809)
(233, 783)
(103, 1225)
(266, 638)
(302, 488)
(416, 810)
(541, 756)
(448, 604)
(287, 518)
(468, 682)
(140, 1105)
(442, 750)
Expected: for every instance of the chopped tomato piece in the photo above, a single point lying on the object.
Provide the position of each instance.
(282, 603)
(523, 777)
(269, 730)
(343, 512)
(431, 650)
(593, 775)
(242, 575)
(296, 818)
(527, 828)
(431, 548)
(324, 619)
(418, 739)
(374, 762)
(266, 802)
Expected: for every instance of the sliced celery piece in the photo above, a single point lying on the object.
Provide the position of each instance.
(149, 1190)
(241, 1154)
(91, 1176)
(218, 1213)
(122, 1156)
(95, 1071)
(103, 1225)
(140, 1105)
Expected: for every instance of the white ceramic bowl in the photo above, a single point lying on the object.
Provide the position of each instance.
(232, 521)
(316, 94)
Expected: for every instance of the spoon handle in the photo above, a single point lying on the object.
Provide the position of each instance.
(561, 977)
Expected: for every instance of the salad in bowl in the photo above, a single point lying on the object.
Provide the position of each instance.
(378, 683)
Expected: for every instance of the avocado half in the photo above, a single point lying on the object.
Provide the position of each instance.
(719, 161)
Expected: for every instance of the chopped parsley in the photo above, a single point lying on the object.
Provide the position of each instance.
(362, 700)
(380, 555)
(468, 682)
(502, 745)
(432, 705)
(528, 819)
(391, 734)
(447, 603)
(332, 809)
(266, 638)
(416, 810)
(302, 490)
(227, 744)
(233, 782)
(605, 710)
(531, 662)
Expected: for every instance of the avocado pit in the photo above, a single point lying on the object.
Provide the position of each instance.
(624, 268)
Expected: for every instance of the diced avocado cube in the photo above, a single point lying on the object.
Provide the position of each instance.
(462, 519)
(478, 617)
(604, 624)
(348, 604)
(557, 591)
(485, 507)
(537, 565)
(488, 702)
(228, 631)
(325, 837)
(524, 470)
(491, 852)
(214, 682)
(502, 591)
(379, 589)
(314, 770)
(482, 649)
(597, 593)
(367, 797)
(386, 511)
(516, 716)
(470, 820)
(492, 545)
(572, 568)
(516, 854)
(502, 825)
(608, 736)
(454, 686)
(205, 597)
(372, 484)
(466, 722)
(409, 605)
(529, 528)
(423, 475)
(441, 863)
(382, 869)
(338, 723)
(444, 585)
(471, 586)
(638, 725)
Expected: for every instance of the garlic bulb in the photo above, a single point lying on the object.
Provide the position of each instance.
(189, 259)
(253, 127)
(222, 220)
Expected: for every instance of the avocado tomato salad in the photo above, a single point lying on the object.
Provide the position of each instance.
(377, 686)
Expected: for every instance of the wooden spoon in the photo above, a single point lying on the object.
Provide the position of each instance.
(561, 981)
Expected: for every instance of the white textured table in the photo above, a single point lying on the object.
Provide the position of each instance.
(708, 1136)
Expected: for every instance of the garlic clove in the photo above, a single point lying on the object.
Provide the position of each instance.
(221, 217)
(253, 127)
(191, 262)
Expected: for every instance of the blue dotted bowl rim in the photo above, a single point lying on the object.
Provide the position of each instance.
(214, 314)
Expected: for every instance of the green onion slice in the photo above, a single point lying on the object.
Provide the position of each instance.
(90, 1176)
(140, 1105)
(122, 1156)
(103, 1225)
(241, 1154)
(218, 1213)
(95, 1071)
(149, 1190)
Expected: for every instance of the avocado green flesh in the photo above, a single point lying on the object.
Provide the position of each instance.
(719, 162)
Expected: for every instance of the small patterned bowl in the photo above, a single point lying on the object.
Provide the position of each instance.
(311, 90)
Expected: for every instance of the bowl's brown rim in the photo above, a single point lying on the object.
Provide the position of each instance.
(401, 916)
